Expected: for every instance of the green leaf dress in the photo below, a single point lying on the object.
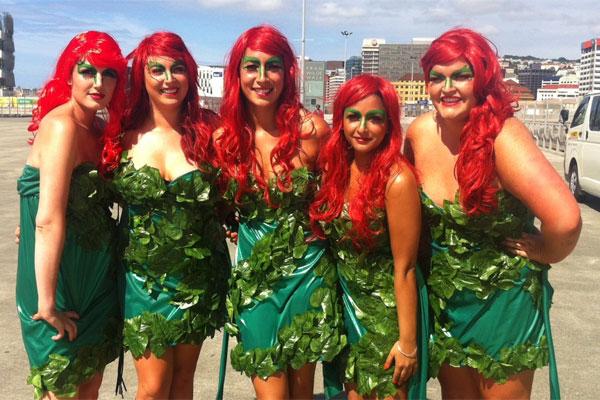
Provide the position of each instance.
(86, 284)
(367, 280)
(176, 262)
(490, 307)
(283, 302)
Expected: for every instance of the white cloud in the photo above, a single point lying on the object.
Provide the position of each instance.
(254, 5)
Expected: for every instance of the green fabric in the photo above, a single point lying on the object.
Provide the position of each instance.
(370, 317)
(86, 284)
(177, 262)
(487, 304)
(283, 301)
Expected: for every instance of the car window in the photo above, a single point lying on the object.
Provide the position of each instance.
(580, 113)
(595, 114)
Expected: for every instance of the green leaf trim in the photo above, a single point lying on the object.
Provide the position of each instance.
(175, 234)
(154, 332)
(62, 375)
(511, 360)
(312, 336)
(368, 277)
(473, 258)
(88, 213)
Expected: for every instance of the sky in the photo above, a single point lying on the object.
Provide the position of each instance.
(542, 28)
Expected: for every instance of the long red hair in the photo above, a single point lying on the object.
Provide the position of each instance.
(336, 157)
(474, 167)
(102, 51)
(235, 145)
(197, 123)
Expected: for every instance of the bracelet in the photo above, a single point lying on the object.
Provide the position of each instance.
(412, 355)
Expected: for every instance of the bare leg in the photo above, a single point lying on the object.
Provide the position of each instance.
(185, 360)
(458, 383)
(275, 387)
(154, 375)
(517, 387)
(89, 389)
(402, 393)
(301, 381)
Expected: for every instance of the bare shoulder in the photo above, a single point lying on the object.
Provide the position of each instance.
(513, 133)
(423, 123)
(314, 127)
(217, 134)
(402, 181)
(56, 129)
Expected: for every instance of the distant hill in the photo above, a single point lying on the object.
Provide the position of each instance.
(533, 58)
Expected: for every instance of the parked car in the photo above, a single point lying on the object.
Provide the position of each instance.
(582, 151)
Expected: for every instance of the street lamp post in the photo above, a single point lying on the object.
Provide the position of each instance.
(345, 34)
(303, 41)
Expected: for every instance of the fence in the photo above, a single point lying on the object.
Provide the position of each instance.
(17, 106)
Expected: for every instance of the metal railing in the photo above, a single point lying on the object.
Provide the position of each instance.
(548, 135)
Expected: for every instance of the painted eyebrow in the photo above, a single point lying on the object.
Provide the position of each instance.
(352, 111)
(275, 60)
(376, 113)
(155, 64)
(83, 64)
(463, 71)
(250, 59)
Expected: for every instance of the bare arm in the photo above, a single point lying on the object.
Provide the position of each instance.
(315, 132)
(524, 171)
(56, 158)
(403, 209)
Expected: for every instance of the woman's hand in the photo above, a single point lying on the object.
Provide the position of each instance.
(17, 234)
(61, 321)
(405, 363)
(529, 245)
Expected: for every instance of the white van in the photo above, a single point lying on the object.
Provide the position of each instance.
(582, 150)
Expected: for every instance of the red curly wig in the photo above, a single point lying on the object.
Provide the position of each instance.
(102, 51)
(336, 157)
(235, 146)
(197, 123)
(474, 167)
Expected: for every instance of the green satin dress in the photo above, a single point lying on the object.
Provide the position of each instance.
(176, 262)
(370, 317)
(283, 302)
(86, 284)
(491, 308)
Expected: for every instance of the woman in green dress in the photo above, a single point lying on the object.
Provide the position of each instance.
(483, 179)
(282, 301)
(368, 207)
(66, 279)
(176, 261)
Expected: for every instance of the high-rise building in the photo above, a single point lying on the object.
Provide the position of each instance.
(353, 67)
(7, 55)
(397, 60)
(533, 76)
(335, 79)
(370, 55)
(589, 77)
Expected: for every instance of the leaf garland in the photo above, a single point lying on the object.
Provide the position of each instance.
(88, 209)
(369, 278)
(473, 258)
(174, 233)
(316, 334)
(62, 375)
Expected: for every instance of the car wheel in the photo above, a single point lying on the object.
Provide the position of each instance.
(574, 183)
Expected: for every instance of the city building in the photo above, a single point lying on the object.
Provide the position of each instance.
(353, 67)
(411, 89)
(314, 84)
(521, 92)
(533, 76)
(7, 55)
(210, 82)
(370, 55)
(396, 60)
(589, 75)
(334, 80)
(555, 90)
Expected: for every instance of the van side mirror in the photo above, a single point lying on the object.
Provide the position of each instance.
(564, 116)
